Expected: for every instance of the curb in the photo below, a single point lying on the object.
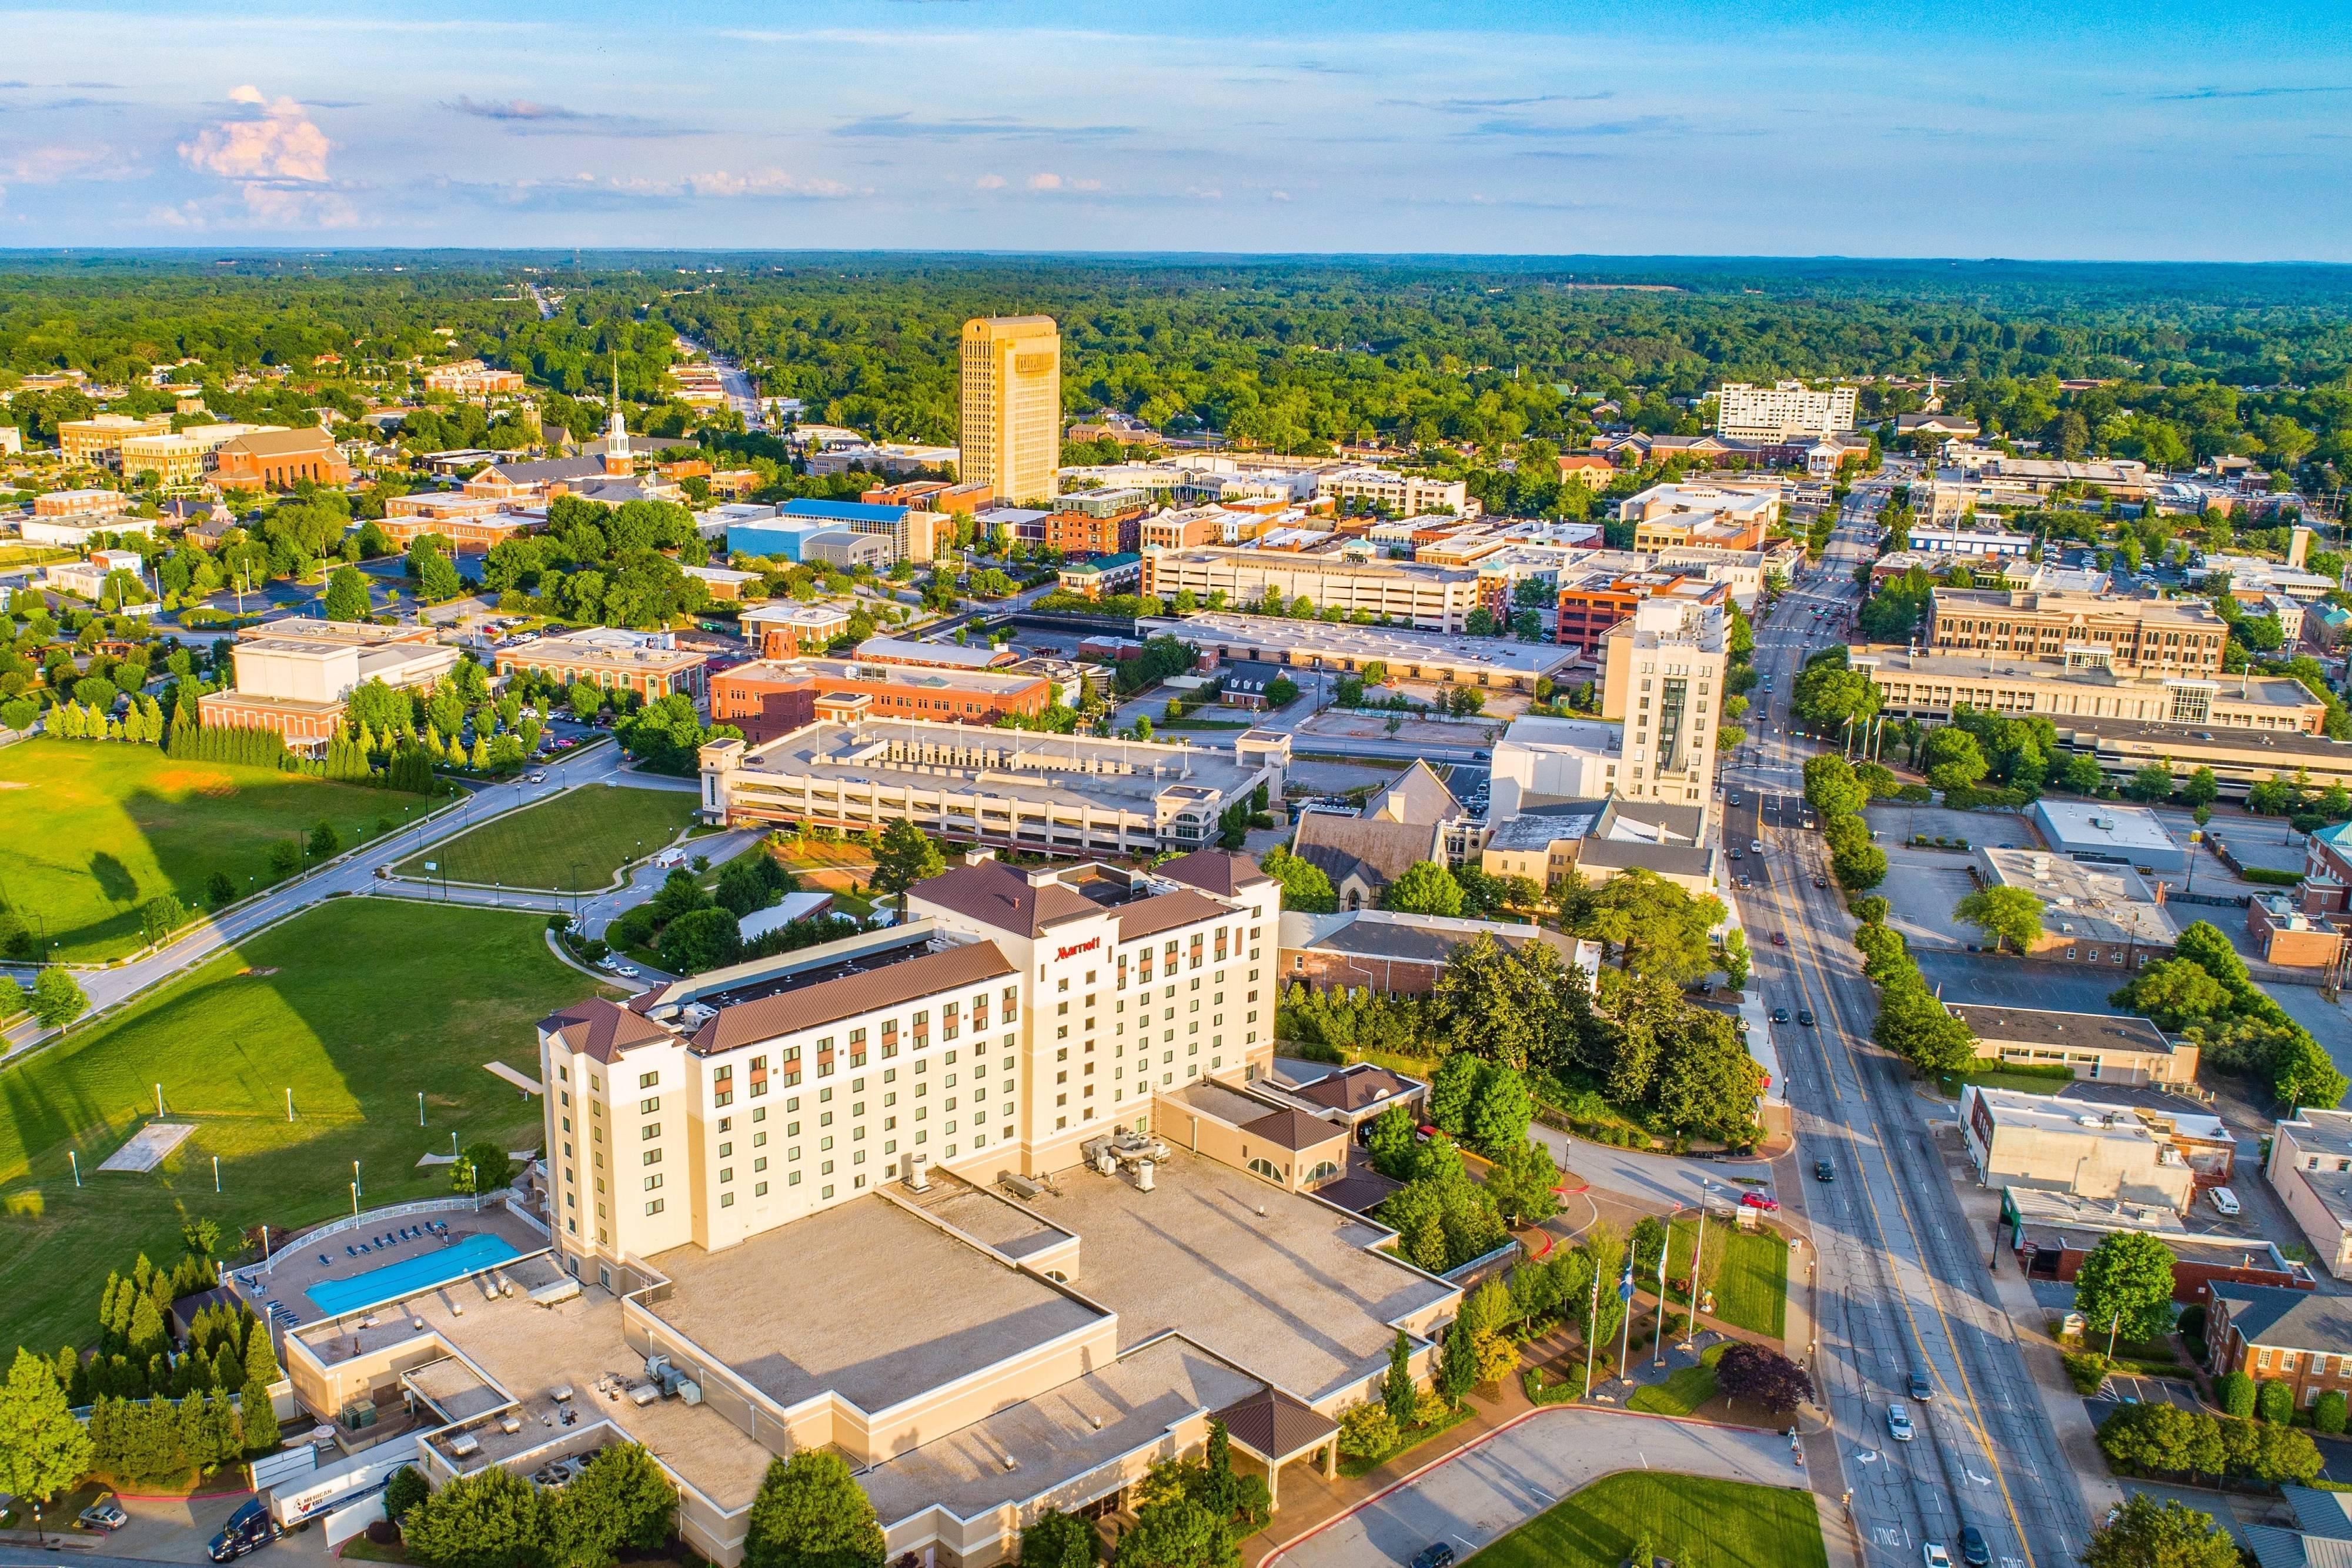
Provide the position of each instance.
(1482, 1439)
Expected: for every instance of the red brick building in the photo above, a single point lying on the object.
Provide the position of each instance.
(1077, 533)
(2296, 1337)
(771, 698)
(275, 459)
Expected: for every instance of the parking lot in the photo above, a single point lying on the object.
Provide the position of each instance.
(1923, 885)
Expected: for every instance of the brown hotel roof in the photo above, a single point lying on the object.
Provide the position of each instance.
(601, 1029)
(747, 1023)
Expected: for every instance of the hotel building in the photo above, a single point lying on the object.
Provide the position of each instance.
(1011, 435)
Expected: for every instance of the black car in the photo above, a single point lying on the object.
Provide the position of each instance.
(1824, 1171)
(1779, 1015)
(1921, 1389)
(1805, 1016)
(1437, 1554)
(249, 1529)
(1820, 881)
(1973, 1549)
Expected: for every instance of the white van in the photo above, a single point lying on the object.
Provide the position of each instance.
(2224, 1200)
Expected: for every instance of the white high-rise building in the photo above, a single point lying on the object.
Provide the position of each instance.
(1785, 411)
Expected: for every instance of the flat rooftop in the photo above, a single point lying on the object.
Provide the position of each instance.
(2317, 1132)
(1060, 1434)
(2280, 748)
(1581, 735)
(863, 1299)
(529, 1351)
(2275, 691)
(2089, 902)
(1291, 1295)
(2073, 1031)
(2119, 828)
(1391, 645)
(1064, 769)
(2041, 1114)
(921, 677)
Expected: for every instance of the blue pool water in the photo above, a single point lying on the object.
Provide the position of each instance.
(410, 1275)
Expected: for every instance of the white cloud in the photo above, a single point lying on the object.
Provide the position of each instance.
(283, 144)
(67, 160)
(297, 207)
(1045, 181)
(763, 183)
(989, 183)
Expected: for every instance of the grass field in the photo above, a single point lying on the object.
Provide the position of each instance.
(1698, 1522)
(357, 1005)
(1686, 1388)
(95, 831)
(1752, 1292)
(571, 843)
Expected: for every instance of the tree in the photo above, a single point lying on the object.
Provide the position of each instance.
(2127, 1282)
(260, 1418)
(1657, 927)
(325, 843)
(702, 939)
(2148, 1534)
(2201, 788)
(2274, 1401)
(1831, 786)
(1397, 1392)
(57, 996)
(1424, 888)
(1175, 1533)
(403, 1489)
(1521, 1182)
(1752, 1372)
(1454, 1091)
(491, 1519)
(622, 1501)
(2234, 1391)
(810, 1513)
(2010, 914)
(2150, 783)
(1304, 887)
(1952, 758)
(43, 1449)
(1392, 1144)
(1057, 1540)
(2174, 994)
(347, 594)
(904, 857)
(483, 1167)
(2328, 1413)
(1457, 1360)
(1501, 1113)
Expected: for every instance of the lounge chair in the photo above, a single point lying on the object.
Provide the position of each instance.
(324, 1259)
(349, 1251)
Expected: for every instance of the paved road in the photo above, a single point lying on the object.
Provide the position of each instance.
(110, 988)
(1902, 1278)
(1483, 1491)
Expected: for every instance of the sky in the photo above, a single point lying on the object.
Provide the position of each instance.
(2154, 130)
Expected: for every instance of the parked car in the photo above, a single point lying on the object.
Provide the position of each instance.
(1824, 1171)
(104, 1515)
(249, 1529)
(1759, 1200)
(629, 972)
(1436, 1555)
(1921, 1389)
(1974, 1552)
(2223, 1200)
(1779, 1015)
(1898, 1421)
(1423, 1133)
(1805, 1016)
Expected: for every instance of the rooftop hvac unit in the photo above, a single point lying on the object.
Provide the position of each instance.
(464, 1445)
(645, 1393)
(689, 1391)
(1143, 1176)
(917, 1173)
(1019, 1186)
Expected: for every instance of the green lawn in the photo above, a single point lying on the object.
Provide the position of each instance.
(1951, 1083)
(357, 1005)
(1686, 1388)
(1752, 1292)
(1698, 1522)
(573, 843)
(95, 829)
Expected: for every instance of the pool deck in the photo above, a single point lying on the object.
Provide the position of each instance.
(287, 1277)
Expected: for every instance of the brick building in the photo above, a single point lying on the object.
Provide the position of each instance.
(1400, 955)
(774, 697)
(275, 459)
(2296, 1337)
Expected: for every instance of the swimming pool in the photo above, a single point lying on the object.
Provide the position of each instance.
(410, 1275)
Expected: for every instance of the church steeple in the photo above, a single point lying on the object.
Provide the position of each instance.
(617, 431)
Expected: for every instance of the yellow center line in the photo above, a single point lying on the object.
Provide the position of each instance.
(1974, 1420)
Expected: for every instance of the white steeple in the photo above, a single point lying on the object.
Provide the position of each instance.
(616, 430)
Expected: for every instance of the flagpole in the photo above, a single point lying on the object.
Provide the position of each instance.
(1625, 1330)
(1591, 1320)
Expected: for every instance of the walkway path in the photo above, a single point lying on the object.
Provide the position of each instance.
(1502, 1475)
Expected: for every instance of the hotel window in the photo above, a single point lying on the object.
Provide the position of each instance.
(653, 1181)
(760, 1189)
(655, 1206)
(647, 1079)
(651, 1130)
(726, 1200)
(652, 1156)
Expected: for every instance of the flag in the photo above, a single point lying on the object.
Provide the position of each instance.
(1625, 1281)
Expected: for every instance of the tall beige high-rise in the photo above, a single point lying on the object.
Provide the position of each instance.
(1011, 437)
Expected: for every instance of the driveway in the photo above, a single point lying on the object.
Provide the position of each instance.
(1482, 1491)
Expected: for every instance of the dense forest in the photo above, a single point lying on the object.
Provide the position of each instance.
(1291, 354)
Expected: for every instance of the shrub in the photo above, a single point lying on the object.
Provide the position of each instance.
(2192, 1319)
(2274, 1402)
(2236, 1390)
(2263, 873)
(1914, 794)
(2328, 1413)
(2085, 1371)
(1367, 1430)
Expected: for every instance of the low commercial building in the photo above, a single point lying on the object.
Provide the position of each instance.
(727, 586)
(2090, 914)
(295, 676)
(1437, 599)
(2300, 1338)
(2098, 831)
(913, 533)
(2239, 758)
(87, 579)
(1040, 793)
(937, 655)
(1699, 517)
(650, 663)
(1403, 494)
(2111, 1049)
(2310, 1167)
(1930, 684)
(1397, 956)
(2033, 1140)
(1101, 578)
(472, 379)
(1490, 663)
(1987, 543)
(275, 460)
(1362, 855)
(772, 698)
(2052, 1233)
(2292, 938)
(1354, 1097)
(786, 631)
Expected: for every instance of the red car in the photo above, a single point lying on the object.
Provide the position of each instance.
(1779, 939)
(1757, 1200)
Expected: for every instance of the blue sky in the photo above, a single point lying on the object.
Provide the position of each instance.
(2156, 131)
